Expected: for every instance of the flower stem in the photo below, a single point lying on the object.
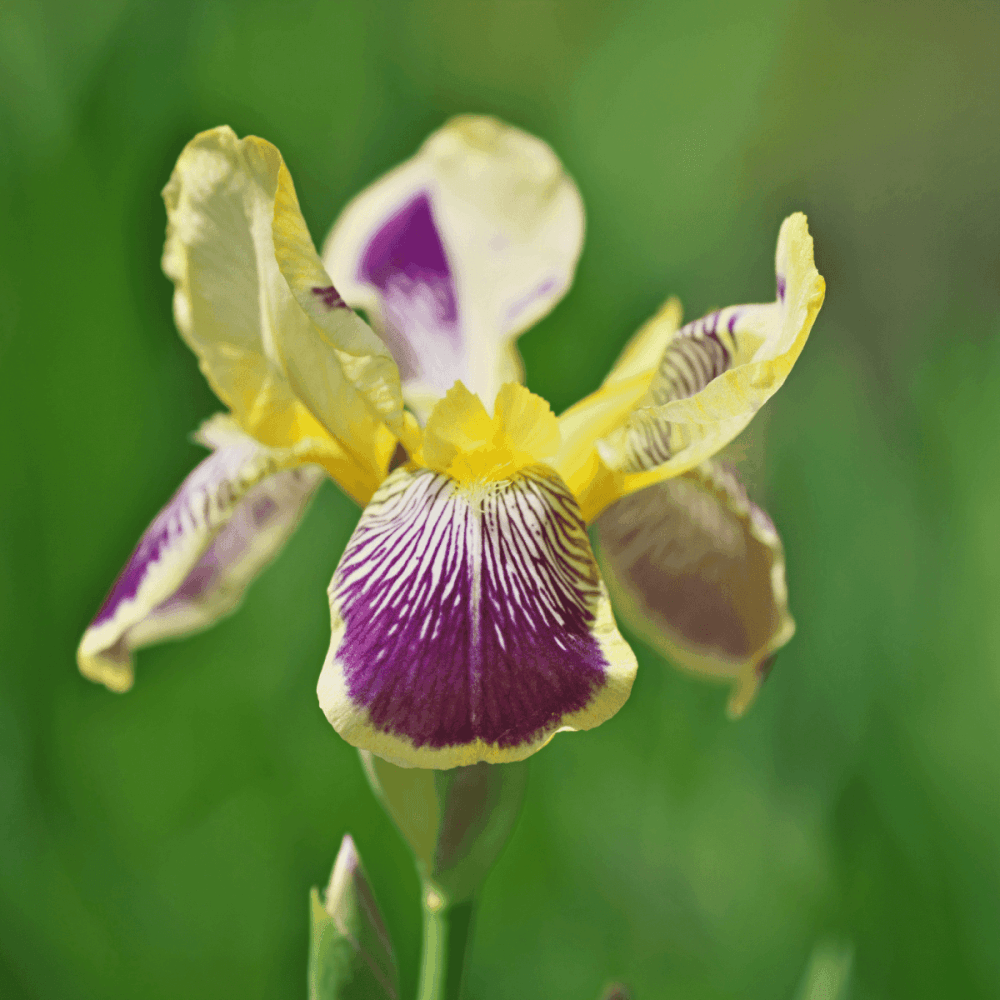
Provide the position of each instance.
(447, 936)
(433, 949)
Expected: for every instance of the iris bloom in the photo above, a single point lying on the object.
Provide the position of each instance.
(470, 620)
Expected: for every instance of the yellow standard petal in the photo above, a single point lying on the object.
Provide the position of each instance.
(600, 413)
(335, 362)
(229, 295)
(457, 251)
(240, 314)
(713, 376)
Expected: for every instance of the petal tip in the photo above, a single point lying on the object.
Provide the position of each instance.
(110, 667)
(748, 684)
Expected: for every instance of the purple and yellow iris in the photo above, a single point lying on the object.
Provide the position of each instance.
(470, 620)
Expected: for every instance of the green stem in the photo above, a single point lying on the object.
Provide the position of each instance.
(447, 936)
(433, 949)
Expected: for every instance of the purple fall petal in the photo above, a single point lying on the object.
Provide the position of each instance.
(472, 617)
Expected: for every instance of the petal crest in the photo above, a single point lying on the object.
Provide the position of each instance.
(227, 520)
(470, 624)
(457, 251)
(698, 570)
(464, 441)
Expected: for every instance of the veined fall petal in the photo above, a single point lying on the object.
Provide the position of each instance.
(457, 251)
(698, 570)
(227, 520)
(470, 622)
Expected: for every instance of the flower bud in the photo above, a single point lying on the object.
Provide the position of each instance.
(456, 822)
(350, 954)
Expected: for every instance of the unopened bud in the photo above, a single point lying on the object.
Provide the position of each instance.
(350, 953)
(456, 822)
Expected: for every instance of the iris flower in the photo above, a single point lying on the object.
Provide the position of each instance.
(470, 620)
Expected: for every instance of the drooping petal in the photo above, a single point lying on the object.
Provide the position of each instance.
(286, 371)
(713, 376)
(229, 518)
(470, 623)
(457, 251)
(698, 569)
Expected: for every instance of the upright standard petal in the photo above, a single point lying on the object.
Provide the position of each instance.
(470, 622)
(712, 377)
(698, 570)
(276, 349)
(602, 412)
(229, 518)
(457, 251)
(335, 362)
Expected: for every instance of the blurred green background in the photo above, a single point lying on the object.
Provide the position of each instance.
(161, 844)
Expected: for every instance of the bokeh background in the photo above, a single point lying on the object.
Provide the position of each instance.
(161, 844)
